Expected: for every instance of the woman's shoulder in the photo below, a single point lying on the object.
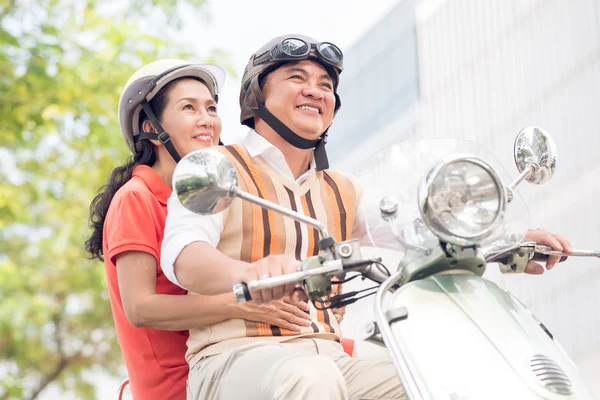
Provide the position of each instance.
(134, 190)
(134, 206)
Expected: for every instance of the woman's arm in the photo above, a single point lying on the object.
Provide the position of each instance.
(136, 272)
(143, 307)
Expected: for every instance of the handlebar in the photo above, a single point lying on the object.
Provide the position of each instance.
(242, 290)
(539, 257)
(537, 252)
(546, 250)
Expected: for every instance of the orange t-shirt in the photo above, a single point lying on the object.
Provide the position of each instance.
(135, 221)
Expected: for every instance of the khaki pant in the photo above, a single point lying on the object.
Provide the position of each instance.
(302, 368)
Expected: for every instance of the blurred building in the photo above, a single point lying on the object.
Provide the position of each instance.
(483, 70)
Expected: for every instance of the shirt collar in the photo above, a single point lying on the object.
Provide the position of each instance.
(257, 145)
(154, 182)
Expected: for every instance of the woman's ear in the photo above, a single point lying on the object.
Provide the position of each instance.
(148, 127)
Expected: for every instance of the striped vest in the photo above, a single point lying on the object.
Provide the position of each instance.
(251, 233)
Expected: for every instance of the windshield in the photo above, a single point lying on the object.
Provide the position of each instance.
(398, 170)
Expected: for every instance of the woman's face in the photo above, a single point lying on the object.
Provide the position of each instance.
(190, 116)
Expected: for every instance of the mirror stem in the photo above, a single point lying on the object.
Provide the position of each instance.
(237, 192)
(524, 175)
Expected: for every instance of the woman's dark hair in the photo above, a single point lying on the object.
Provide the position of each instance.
(120, 176)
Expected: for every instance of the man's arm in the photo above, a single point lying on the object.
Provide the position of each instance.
(203, 269)
(190, 241)
(189, 257)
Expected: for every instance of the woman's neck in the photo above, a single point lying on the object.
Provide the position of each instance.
(164, 167)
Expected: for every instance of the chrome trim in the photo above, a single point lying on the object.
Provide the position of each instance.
(448, 236)
(576, 253)
(328, 267)
(527, 172)
(550, 375)
(411, 388)
(535, 149)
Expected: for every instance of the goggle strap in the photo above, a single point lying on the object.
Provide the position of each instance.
(268, 56)
(263, 58)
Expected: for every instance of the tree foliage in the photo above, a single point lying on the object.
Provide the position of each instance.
(62, 66)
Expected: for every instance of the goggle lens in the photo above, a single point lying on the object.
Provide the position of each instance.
(330, 52)
(294, 47)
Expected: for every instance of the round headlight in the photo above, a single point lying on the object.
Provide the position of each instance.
(462, 200)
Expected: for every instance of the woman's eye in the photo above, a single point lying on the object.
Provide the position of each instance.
(188, 107)
(212, 109)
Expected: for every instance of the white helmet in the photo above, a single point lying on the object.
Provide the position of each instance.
(146, 82)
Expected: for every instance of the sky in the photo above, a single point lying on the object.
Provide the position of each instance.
(241, 27)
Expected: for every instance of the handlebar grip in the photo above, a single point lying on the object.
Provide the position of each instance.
(242, 294)
(539, 257)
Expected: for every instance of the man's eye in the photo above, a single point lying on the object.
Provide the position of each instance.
(212, 109)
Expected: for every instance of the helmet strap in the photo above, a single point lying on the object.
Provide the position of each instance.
(292, 138)
(161, 136)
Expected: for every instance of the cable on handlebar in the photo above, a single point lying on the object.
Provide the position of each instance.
(344, 299)
(340, 299)
(380, 264)
(345, 280)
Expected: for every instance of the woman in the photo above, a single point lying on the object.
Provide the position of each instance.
(167, 109)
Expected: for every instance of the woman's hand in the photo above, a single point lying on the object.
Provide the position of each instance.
(277, 313)
(339, 313)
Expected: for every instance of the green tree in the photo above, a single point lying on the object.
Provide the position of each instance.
(62, 66)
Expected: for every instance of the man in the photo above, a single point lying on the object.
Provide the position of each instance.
(289, 99)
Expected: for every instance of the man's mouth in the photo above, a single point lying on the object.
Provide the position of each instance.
(309, 108)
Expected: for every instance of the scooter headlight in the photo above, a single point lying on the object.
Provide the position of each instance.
(462, 200)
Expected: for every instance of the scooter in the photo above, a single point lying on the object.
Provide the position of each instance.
(451, 333)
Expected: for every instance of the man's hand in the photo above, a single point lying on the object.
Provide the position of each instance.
(543, 237)
(270, 266)
(278, 313)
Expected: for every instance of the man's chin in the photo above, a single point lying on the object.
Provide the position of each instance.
(310, 134)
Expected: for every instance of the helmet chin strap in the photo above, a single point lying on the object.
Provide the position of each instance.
(292, 138)
(161, 136)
